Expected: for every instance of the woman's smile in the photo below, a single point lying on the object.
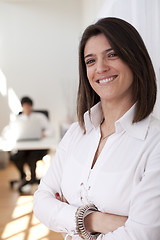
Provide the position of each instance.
(106, 80)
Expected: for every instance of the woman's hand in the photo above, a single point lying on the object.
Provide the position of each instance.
(103, 222)
(62, 199)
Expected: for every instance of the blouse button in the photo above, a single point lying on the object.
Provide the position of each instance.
(81, 184)
(89, 187)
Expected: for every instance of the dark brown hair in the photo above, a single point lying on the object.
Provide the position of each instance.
(129, 46)
(27, 100)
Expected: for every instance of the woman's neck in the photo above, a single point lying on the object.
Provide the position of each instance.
(112, 111)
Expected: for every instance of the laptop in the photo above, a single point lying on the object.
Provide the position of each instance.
(26, 130)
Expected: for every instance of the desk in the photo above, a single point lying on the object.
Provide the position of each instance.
(8, 145)
(44, 143)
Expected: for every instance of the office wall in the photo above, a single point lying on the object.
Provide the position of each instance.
(39, 56)
(90, 10)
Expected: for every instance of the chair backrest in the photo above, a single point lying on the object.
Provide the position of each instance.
(45, 112)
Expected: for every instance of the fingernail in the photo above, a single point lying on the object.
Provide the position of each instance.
(57, 194)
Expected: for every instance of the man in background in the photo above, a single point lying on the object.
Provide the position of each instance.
(30, 156)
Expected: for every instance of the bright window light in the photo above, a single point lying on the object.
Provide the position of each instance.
(23, 207)
(38, 232)
(34, 221)
(13, 101)
(11, 228)
(24, 225)
(24, 200)
(19, 236)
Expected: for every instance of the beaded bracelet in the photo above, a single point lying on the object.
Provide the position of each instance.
(81, 213)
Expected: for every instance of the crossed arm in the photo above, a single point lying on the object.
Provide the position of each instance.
(100, 222)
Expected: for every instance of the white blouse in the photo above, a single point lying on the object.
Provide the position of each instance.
(43, 120)
(125, 179)
(9, 131)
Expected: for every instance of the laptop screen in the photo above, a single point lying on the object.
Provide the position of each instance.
(27, 129)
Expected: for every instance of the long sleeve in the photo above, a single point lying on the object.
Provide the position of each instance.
(56, 215)
(144, 216)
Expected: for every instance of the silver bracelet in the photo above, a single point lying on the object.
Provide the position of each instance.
(81, 213)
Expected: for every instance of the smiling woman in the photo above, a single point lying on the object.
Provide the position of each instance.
(108, 75)
(104, 179)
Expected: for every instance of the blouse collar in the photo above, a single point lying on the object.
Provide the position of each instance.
(138, 130)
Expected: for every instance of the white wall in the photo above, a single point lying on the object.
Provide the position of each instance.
(90, 11)
(39, 55)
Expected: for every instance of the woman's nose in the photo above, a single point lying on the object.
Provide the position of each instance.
(102, 66)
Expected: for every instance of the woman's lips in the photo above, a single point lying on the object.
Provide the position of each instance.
(106, 80)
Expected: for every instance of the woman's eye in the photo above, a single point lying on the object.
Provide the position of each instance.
(90, 61)
(112, 54)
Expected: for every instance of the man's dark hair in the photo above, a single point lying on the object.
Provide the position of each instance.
(26, 100)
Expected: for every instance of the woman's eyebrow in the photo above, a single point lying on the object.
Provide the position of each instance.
(90, 55)
(109, 49)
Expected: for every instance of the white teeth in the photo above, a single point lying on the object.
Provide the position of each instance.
(106, 80)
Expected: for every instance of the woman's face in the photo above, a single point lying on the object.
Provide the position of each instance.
(108, 75)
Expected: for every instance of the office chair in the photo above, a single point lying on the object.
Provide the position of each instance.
(45, 112)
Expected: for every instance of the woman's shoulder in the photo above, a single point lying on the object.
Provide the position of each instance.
(73, 129)
(71, 136)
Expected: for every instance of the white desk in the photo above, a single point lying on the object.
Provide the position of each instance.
(45, 143)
